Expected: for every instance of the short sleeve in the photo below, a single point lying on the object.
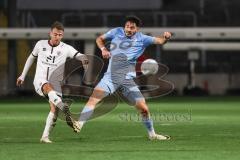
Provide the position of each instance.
(36, 49)
(147, 40)
(72, 52)
(110, 34)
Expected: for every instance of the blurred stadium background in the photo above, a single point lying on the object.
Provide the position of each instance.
(202, 57)
(203, 60)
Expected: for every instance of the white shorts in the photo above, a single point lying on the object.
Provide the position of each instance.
(40, 82)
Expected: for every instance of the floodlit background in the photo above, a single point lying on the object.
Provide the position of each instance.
(203, 56)
(201, 113)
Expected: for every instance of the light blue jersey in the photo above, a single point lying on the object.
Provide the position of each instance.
(125, 51)
(121, 68)
(132, 47)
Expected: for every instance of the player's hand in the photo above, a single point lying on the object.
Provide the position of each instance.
(20, 81)
(83, 58)
(106, 53)
(167, 35)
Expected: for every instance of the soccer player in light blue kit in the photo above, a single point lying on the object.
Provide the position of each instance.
(127, 44)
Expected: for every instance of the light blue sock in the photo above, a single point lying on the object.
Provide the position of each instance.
(85, 114)
(149, 125)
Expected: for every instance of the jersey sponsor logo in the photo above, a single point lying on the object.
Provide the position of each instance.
(51, 58)
(49, 64)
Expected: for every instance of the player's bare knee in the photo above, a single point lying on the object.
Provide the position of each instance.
(92, 102)
(96, 97)
(141, 104)
(98, 93)
(47, 88)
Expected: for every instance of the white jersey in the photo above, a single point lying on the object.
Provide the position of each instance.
(51, 58)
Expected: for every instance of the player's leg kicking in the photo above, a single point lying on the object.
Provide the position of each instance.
(104, 88)
(55, 104)
(57, 101)
(97, 95)
(132, 93)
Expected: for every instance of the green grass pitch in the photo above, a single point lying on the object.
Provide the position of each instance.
(201, 128)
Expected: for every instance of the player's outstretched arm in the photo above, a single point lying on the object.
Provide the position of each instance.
(26, 68)
(163, 39)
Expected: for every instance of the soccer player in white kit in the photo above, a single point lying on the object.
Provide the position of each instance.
(51, 56)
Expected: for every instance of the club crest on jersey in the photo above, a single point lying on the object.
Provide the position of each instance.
(44, 49)
(58, 53)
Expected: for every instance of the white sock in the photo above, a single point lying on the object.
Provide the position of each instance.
(151, 133)
(148, 122)
(55, 99)
(48, 126)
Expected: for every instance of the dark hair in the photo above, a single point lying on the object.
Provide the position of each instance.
(133, 19)
(57, 25)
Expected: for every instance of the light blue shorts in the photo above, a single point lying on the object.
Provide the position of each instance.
(127, 88)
